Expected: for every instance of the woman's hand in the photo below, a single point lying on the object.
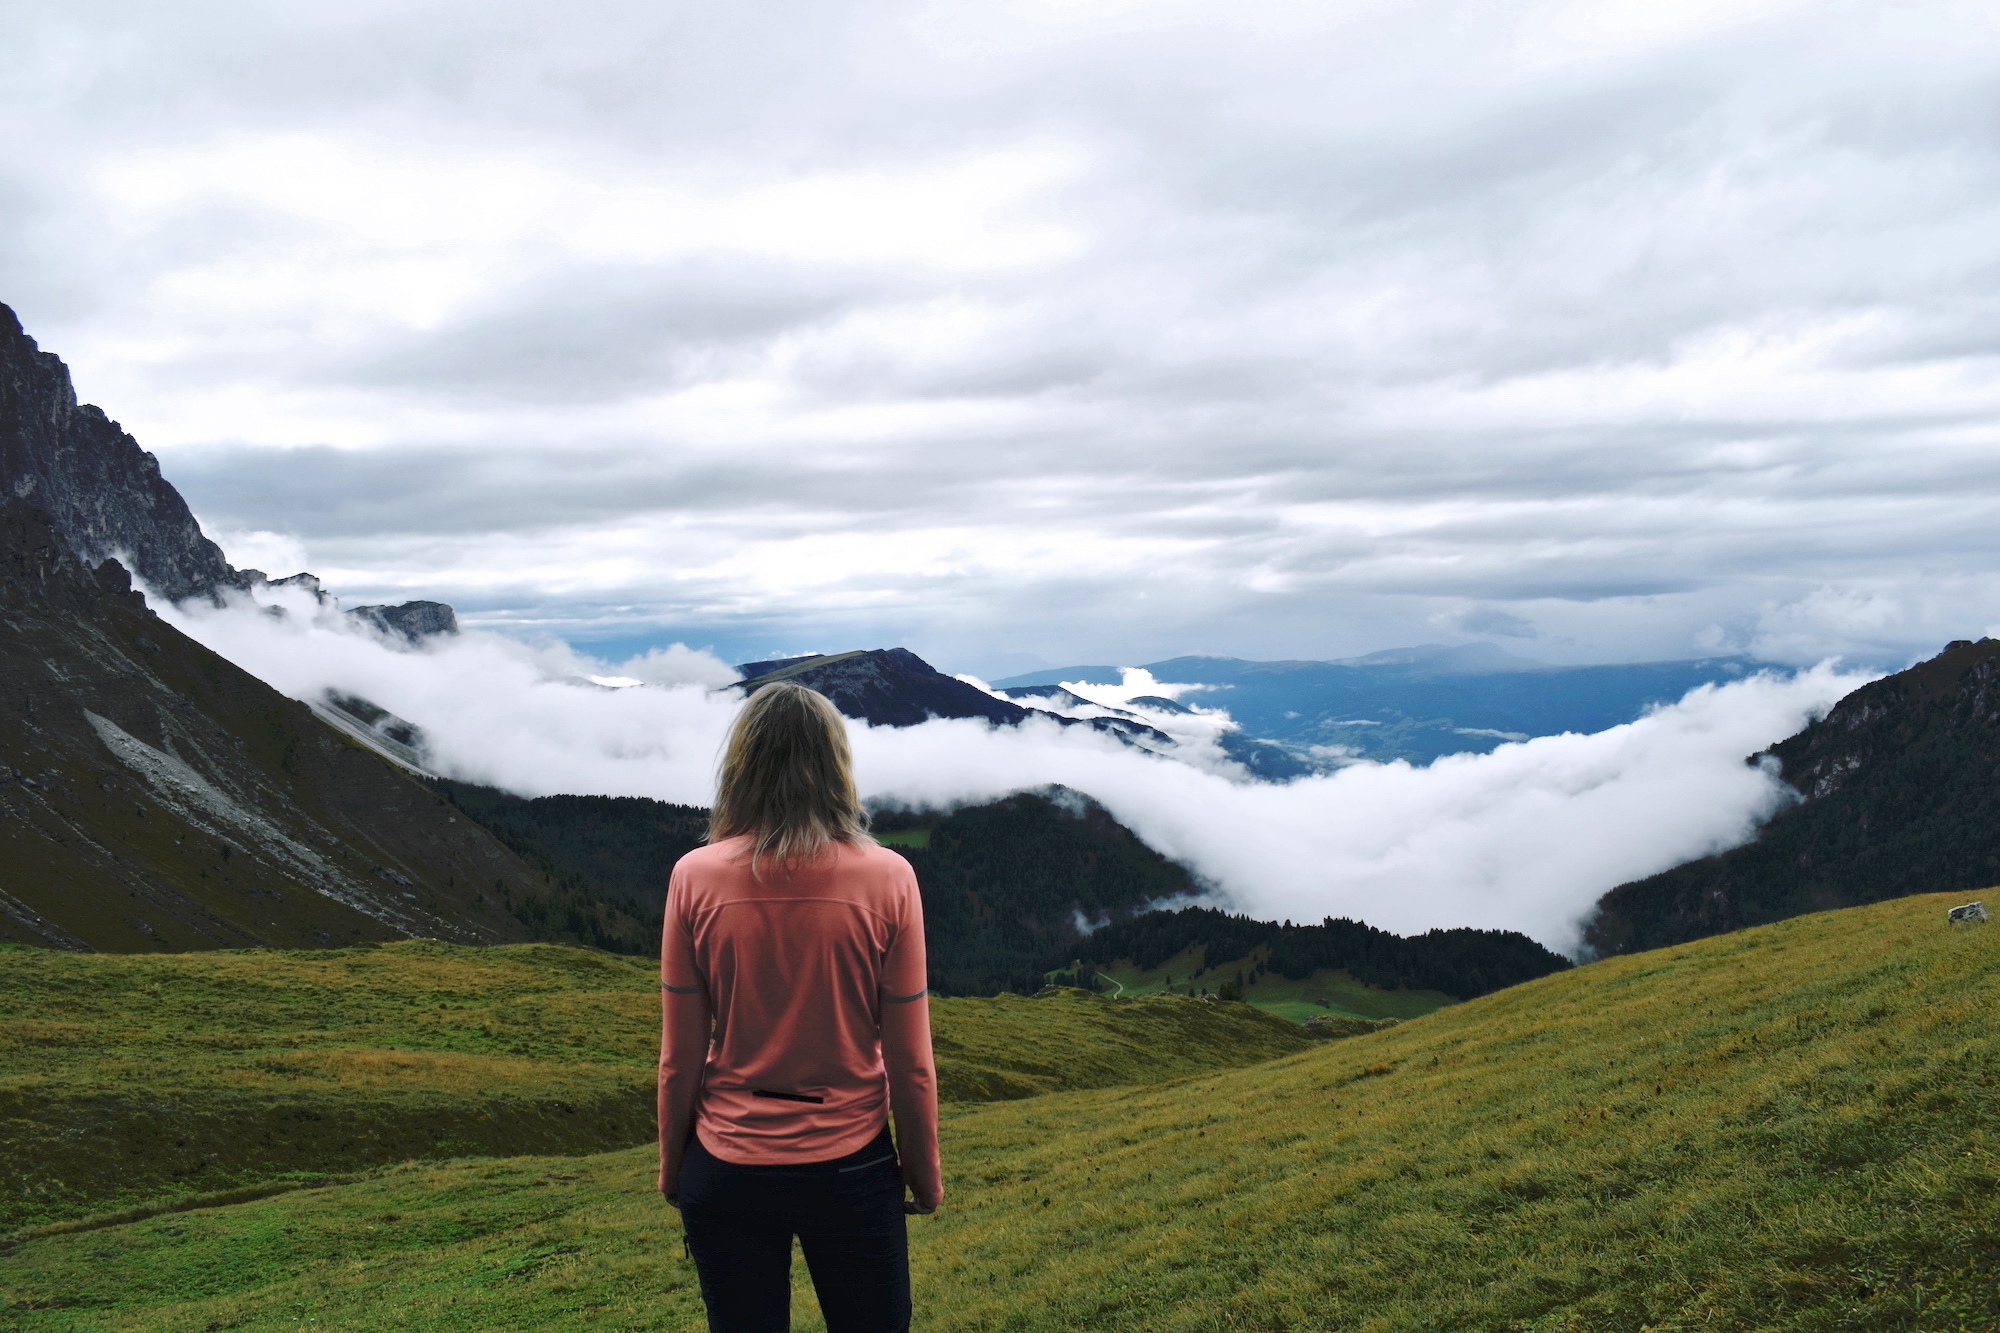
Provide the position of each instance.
(915, 1209)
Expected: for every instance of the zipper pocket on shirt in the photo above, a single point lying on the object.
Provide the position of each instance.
(788, 1096)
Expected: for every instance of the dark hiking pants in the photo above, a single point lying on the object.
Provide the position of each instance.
(847, 1214)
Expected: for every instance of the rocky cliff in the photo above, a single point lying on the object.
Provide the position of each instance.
(104, 493)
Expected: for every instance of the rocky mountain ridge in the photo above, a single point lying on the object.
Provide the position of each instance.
(104, 494)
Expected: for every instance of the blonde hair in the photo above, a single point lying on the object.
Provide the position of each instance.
(787, 778)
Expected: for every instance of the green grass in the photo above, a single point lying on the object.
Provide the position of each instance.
(1791, 1128)
(1324, 992)
(908, 837)
(129, 1080)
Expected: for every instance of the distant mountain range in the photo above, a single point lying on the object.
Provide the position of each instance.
(893, 687)
(1415, 704)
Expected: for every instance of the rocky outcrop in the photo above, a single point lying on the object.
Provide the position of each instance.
(410, 621)
(103, 492)
(1898, 792)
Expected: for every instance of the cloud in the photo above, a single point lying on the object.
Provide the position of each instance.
(1492, 620)
(1126, 330)
(1526, 837)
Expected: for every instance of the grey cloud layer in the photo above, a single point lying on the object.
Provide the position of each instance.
(1125, 332)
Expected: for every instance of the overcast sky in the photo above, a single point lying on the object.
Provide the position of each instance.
(1060, 332)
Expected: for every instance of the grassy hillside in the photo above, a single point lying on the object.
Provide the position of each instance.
(128, 1079)
(1790, 1128)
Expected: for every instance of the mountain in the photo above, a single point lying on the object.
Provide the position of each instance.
(105, 496)
(1012, 890)
(1263, 759)
(885, 687)
(893, 687)
(103, 492)
(1413, 703)
(157, 797)
(1898, 793)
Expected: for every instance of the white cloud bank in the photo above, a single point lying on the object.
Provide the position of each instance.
(1524, 838)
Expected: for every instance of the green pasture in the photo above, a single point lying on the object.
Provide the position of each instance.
(128, 1080)
(1790, 1128)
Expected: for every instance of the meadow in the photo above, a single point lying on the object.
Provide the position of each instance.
(1793, 1128)
(135, 1081)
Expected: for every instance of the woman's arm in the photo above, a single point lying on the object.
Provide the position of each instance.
(686, 1018)
(906, 1052)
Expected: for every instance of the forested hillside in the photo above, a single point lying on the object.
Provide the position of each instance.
(1002, 883)
(1005, 883)
(1900, 794)
(1462, 963)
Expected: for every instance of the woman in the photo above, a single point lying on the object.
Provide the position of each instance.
(794, 1022)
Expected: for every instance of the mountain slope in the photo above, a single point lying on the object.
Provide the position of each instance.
(156, 796)
(1789, 1129)
(1005, 883)
(1900, 788)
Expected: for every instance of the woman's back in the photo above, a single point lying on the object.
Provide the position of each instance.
(793, 1029)
(798, 966)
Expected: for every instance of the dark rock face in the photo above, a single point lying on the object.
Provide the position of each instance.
(104, 493)
(412, 620)
(154, 796)
(1899, 793)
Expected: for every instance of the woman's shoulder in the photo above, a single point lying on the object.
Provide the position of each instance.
(715, 855)
(877, 863)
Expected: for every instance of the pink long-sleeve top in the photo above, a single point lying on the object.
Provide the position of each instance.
(794, 1017)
